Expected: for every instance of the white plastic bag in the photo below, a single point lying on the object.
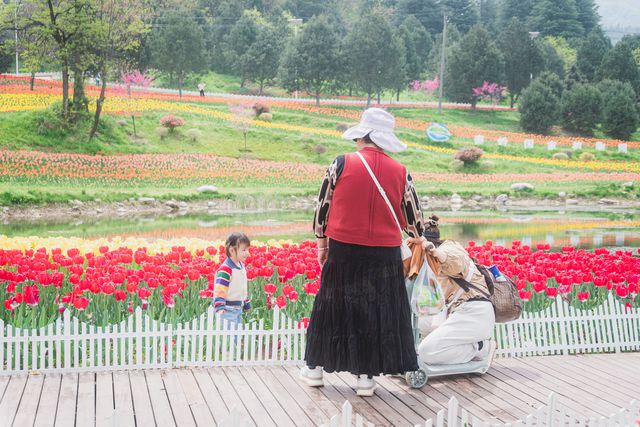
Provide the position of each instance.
(427, 298)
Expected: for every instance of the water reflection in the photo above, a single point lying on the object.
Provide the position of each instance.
(581, 229)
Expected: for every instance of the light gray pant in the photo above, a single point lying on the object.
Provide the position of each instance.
(456, 340)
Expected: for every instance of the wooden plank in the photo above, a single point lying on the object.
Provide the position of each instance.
(26, 414)
(86, 410)
(503, 407)
(159, 400)
(46, 414)
(104, 399)
(4, 380)
(123, 402)
(177, 399)
(211, 395)
(409, 396)
(142, 409)
(11, 398)
(319, 403)
(228, 393)
(66, 413)
(259, 414)
(199, 408)
(268, 398)
(386, 403)
(448, 389)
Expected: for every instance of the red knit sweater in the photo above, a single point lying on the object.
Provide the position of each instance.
(359, 215)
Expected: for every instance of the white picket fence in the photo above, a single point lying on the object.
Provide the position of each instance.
(551, 414)
(562, 329)
(140, 342)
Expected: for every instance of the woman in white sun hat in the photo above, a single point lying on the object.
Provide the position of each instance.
(361, 320)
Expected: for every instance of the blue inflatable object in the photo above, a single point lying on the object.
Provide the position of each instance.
(438, 132)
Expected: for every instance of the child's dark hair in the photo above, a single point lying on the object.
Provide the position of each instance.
(234, 240)
(432, 231)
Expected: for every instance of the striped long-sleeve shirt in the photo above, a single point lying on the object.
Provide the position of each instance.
(230, 288)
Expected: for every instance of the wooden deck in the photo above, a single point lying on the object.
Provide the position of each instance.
(273, 396)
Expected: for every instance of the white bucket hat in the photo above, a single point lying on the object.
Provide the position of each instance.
(378, 124)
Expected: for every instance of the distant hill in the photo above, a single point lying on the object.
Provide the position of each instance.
(620, 17)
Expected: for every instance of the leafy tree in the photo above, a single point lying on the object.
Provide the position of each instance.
(565, 51)
(433, 60)
(619, 64)
(581, 108)
(539, 108)
(522, 58)
(474, 59)
(238, 41)
(591, 52)
(312, 57)
(417, 46)
(488, 14)
(552, 81)
(428, 12)
(574, 76)
(6, 57)
(462, 13)
(177, 45)
(556, 18)
(370, 53)
(520, 9)
(620, 117)
(552, 61)
(263, 56)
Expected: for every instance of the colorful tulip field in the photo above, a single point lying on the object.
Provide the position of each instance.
(101, 282)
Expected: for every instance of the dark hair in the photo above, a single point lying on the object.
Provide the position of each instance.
(234, 240)
(432, 231)
(367, 140)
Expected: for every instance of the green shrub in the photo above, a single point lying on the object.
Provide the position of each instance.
(162, 132)
(587, 157)
(539, 108)
(581, 109)
(561, 156)
(194, 135)
(265, 117)
(619, 110)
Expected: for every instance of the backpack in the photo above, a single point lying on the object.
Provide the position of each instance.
(503, 294)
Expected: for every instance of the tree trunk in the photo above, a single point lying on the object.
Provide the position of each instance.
(398, 95)
(242, 82)
(180, 82)
(80, 103)
(513, 100)
(350, 90)
(99, 102)
(368, 99)
(378, 97)
(261, 87)
(317, 96)
(33, 80)
(65, 89)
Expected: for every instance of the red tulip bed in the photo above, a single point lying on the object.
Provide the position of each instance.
(104, 286)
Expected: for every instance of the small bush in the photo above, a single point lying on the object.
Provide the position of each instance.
(581, 109)
(121, 122)
(265, 117)
(194, 135)
(260, 109)
(560, 156)
(341, 127)
(162, 132)
(619, 111)
(171, 122)
(320, 149)
(469, 155)
(488, 164)
(587, 157)
(539, 108)
(456, 165)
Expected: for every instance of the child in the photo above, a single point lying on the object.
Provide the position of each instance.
(230, 289)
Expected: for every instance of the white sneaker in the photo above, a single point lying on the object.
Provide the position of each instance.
(313, 377)
(366, 386)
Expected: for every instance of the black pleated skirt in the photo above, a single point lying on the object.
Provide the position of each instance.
(361, 320)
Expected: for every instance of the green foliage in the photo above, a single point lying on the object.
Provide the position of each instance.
(539, 108)
(263, 55)
(588, 14)
(556, 18)
(462, 13)
(520, 9)
(619, 109)
(522, 58)
(177, 45)
(591, 52)
(428, 12)
(565, 51)
(474, 59)
(552, 61)
(553, 82)
(619, 64)
(581, 108)
(417, 46)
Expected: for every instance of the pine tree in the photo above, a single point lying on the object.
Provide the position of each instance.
(556, 18)
(522, 58)
(488, 14)
(591, 52)
(428, 12)
(619, 110)
(539, 108)
(417, 45)
(520, 9)
(474, 59)
(588, 15)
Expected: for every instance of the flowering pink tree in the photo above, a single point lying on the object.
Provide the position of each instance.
(130, 79)
(427, 86)
(489, 91)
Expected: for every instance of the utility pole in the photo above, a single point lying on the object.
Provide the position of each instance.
(442, 59)
(15, 16)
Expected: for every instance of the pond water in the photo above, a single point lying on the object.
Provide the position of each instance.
(584, 229)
